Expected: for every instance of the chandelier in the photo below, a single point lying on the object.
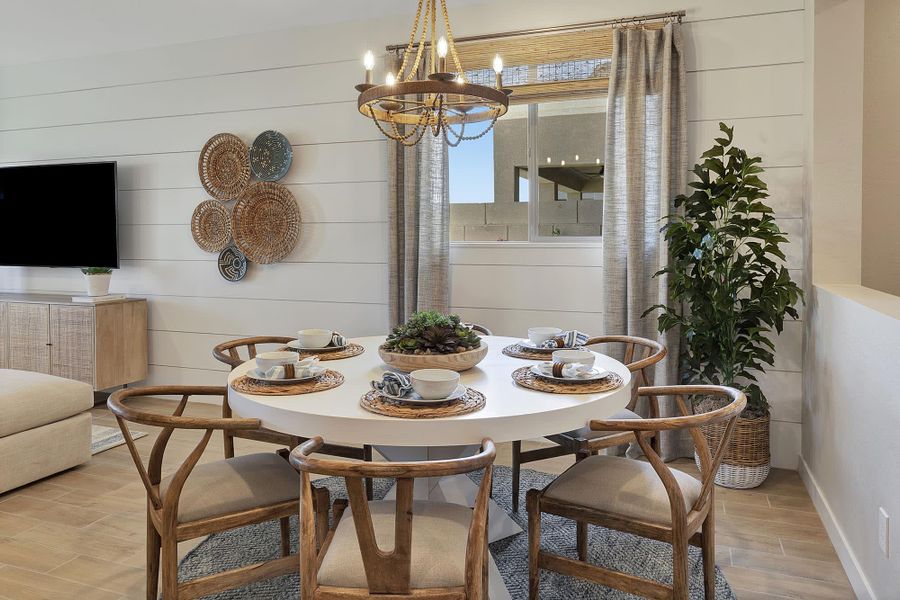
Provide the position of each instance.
(404, 108)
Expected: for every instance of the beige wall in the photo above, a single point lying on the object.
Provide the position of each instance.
(881, 148)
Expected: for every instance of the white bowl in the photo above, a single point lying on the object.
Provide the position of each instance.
(584, 357)
(314, 338)
(267, 360)
(539, 335)
(433, 384)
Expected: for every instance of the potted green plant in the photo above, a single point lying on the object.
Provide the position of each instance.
(97, 279)
(430, 340)
(729, 291)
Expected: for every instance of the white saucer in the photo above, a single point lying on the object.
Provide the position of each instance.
(414, 398)
(596, 375)
(295, 345)
(258, 375)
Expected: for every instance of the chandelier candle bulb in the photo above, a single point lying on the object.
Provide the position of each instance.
(369, 64)
(498, 69)
(390, 79)
(442, 55)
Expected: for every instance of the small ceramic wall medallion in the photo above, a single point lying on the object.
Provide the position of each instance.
(232, 264)
(270, 156)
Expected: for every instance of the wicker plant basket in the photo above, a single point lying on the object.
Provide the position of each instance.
(746, 462)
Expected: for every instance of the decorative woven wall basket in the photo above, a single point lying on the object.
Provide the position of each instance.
(265, 222)
(211, 226)
(746, 462)
(224, 166)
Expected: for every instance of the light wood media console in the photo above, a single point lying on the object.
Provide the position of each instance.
(104, 344)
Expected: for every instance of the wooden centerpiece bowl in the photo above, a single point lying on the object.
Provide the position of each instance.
(456, 361)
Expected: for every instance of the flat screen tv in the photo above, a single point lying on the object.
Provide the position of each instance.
(59, 215)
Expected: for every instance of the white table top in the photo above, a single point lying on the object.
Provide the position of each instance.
(511, 412)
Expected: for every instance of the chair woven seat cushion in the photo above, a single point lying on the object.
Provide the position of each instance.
(621, 486)
(585, 433)
(439, 535)
(234, 485)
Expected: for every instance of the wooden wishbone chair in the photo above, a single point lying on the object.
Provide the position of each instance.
(479, 329)
(439, 549)
(640, 356)
(229, 353)
(200, 499)
(647, 499)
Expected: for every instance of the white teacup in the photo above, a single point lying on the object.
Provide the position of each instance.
(582, 357)
(287, 359)
(539, 335)
(314, 338)
(433, 384)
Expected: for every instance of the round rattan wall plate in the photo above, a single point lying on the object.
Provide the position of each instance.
(374, 402)
(232, 264)
(270, 156)
(224, 167)
(211, 226)
(265, 222)
(524, 377)
(326, 381)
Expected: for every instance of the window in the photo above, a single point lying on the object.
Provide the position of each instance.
(537, 175)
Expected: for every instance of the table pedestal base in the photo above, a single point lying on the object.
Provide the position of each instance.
(458, 489)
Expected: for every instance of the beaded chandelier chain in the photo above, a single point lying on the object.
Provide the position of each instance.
(404, 108)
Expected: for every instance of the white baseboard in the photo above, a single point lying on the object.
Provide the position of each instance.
(858, 581)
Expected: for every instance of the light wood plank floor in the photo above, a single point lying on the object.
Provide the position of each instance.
(80, 534)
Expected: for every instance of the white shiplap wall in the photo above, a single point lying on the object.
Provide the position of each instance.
(152, 110)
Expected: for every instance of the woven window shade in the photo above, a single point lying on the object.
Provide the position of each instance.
(544, 66)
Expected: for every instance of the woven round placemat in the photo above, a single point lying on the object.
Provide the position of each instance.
(224, 166)
(211, 226)
(349, 351)
(524, 377)
(326, 381)
(374, 402)
(519, 351)
(265, 222)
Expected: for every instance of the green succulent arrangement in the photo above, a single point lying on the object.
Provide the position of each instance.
(430, 332)
(96, 270)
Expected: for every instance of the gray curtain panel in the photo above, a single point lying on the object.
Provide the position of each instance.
(646, 164)
(418, 228)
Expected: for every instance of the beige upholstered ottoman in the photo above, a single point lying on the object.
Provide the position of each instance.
(44, 426)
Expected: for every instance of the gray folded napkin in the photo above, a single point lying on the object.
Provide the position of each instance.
(337, 340)
(393, 384)
(567, 339)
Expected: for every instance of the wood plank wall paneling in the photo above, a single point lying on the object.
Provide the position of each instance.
(152, 111)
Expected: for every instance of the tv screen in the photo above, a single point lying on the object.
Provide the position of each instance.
(61, 215)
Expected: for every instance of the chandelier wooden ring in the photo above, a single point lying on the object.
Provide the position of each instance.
(497, 101)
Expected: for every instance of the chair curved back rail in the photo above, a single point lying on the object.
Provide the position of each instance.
(640, 354)
(388, 572)
(229, 352)
(709, 463)
(151, 475)
(479, 329)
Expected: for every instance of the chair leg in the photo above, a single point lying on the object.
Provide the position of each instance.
(532, 501)
(370, 483)
(581, 540)
(153, 549)
(708, 548)
(285, 524)
(229, 444)
(169, 566)
(516, 473)
(680, 575)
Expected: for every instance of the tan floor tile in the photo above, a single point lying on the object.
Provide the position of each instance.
(750, 595)
(129, 526)
(46, 510)
(792, 502)
(811, 550)
(81, 541)
(742, 539)
(46, 489)
(789, 565)
(785, 585)
(10, 525)
(31, 555)
(30, 585)
(108, 503)
(774, 515)
(103, 574)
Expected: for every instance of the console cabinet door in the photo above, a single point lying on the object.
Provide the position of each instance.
(72, 342)
(4, 336)
(29, 336)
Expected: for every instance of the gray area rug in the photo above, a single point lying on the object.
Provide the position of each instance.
(611, 549)
(105, 438)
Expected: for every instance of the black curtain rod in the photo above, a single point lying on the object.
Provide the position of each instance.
(677, 15)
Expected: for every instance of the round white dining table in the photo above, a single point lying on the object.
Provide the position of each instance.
(511, 412)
